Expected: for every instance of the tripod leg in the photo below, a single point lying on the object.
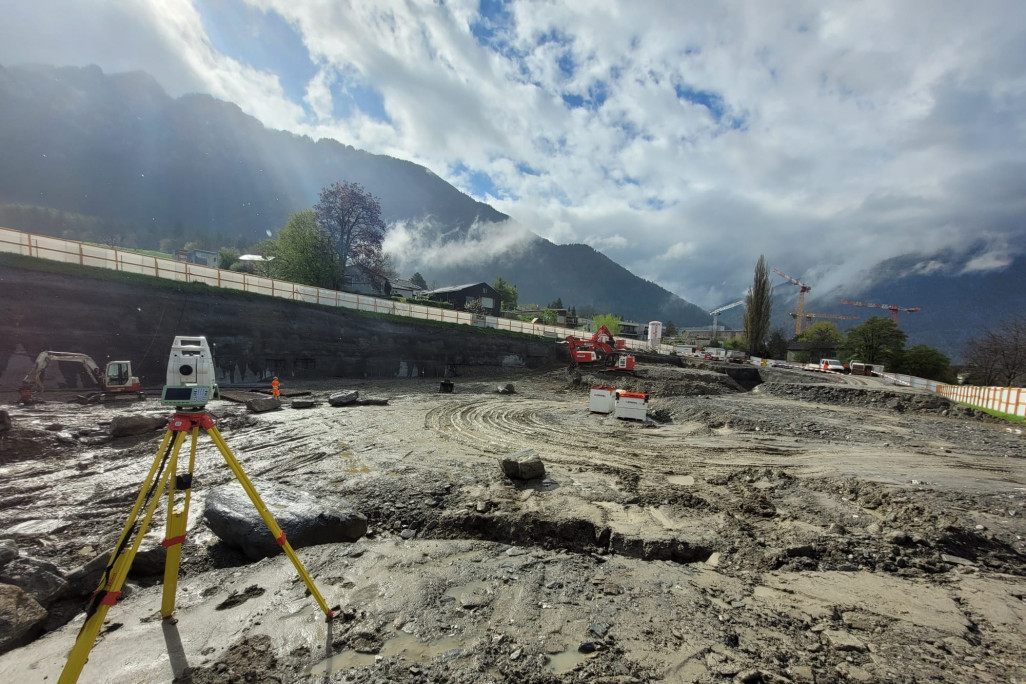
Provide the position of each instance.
(269, 520)
(121, 560)
(174, 530)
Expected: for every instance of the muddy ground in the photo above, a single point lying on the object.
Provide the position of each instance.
(818, 528)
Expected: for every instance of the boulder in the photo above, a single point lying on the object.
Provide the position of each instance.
(21, 617)
(506, 389)
(152, 556)
(5, 421)
(125, 426)
(523, 465)
(8, 551)
(343, 398)
(41, 580)
(305, 519)
(263, 404)
(303, 403)
(86, 578)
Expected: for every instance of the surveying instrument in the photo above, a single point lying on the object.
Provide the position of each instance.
(190, 385)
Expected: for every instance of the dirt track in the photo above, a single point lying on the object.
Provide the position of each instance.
(818, 528)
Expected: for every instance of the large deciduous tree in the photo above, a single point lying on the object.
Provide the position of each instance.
(351, 217)
(304, 253)
(757, 310)
(924, 361)
(878, 340)
(998, 356)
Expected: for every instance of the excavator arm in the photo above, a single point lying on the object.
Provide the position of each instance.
(34, 378)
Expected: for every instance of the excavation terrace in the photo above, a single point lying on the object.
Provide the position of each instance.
(812, 528)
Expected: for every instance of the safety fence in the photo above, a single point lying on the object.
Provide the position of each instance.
(1011, 400)
(85, 254)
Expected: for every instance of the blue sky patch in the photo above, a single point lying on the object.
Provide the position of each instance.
(347, 98)
(704, 98)
(261, 40)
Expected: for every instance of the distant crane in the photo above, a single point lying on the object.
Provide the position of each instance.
(836, 317)
(716, 313)
(890, 307)
(800, 313)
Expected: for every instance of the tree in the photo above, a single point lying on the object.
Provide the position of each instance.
(777, 345)
(822, 334)
(549, 317)
(611, 322)
(507, 294)
(558, 304)
(757, 310)
(923, 361)
(303, 253)
(998, 356)
(418, 280)
(878, 340)
(227, 256)
(669, 330)
(351, 217)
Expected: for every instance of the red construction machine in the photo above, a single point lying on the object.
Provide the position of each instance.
(601, 351)
(116, 380)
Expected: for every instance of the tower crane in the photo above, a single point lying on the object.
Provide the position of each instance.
(716, 313)
(799, 314)
(836, 317)
(890, 307)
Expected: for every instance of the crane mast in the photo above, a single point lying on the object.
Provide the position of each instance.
(799, 314)
(717, 311)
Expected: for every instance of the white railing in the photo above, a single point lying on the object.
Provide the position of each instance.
(1011, 400)
(70, 251)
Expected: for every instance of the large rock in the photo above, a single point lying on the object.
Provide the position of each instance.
(21, 616)
(5, 421)
(8, 551)
(125, 426)
(523, 465)
(41, 580)
(344, 398)
(264, 404)
(306, 520)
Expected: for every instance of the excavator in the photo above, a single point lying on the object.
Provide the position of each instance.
(115, 381)
(601, 351)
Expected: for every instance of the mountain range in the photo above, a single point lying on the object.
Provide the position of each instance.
(122, 156)
(89, 155)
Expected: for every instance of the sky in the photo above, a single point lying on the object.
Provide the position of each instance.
(682, 139)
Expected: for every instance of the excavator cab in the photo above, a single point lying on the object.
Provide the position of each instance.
(119, 374)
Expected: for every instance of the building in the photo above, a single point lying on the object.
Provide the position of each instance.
(565, 318)
(811, 352)
(702, 335)
(476, 297)
(197, 256)
(361, 280)
(405, 289)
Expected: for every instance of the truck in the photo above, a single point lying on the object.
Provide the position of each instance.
(714, 353)
(736, 356)
(686, 350)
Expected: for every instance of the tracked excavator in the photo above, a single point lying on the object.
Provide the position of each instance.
(114, 381)
(601, 351)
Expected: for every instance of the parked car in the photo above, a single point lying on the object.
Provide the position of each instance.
(833, 365)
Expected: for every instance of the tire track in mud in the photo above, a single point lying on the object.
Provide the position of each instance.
(570, 436)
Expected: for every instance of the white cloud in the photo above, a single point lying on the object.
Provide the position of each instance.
(826, 135)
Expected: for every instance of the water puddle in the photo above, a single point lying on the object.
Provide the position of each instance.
(561, 663)
(682, 480)
(473, 595)
(353, 465)
(405, 646)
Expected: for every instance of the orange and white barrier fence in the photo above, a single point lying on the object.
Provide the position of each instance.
(1011, 400)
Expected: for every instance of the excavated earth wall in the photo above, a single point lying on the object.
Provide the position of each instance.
(252, 337)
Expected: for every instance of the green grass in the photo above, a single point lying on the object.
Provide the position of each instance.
(1010, 417)
(79, 271)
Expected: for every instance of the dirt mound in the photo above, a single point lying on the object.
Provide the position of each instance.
(894, 399)
(661, 381)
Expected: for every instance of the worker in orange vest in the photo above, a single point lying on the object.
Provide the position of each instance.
(274, 387)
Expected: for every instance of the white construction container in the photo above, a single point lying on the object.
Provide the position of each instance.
(631, 405)
(655, 334)
(602, 399)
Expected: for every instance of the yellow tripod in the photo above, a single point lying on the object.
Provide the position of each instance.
(165, 464)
